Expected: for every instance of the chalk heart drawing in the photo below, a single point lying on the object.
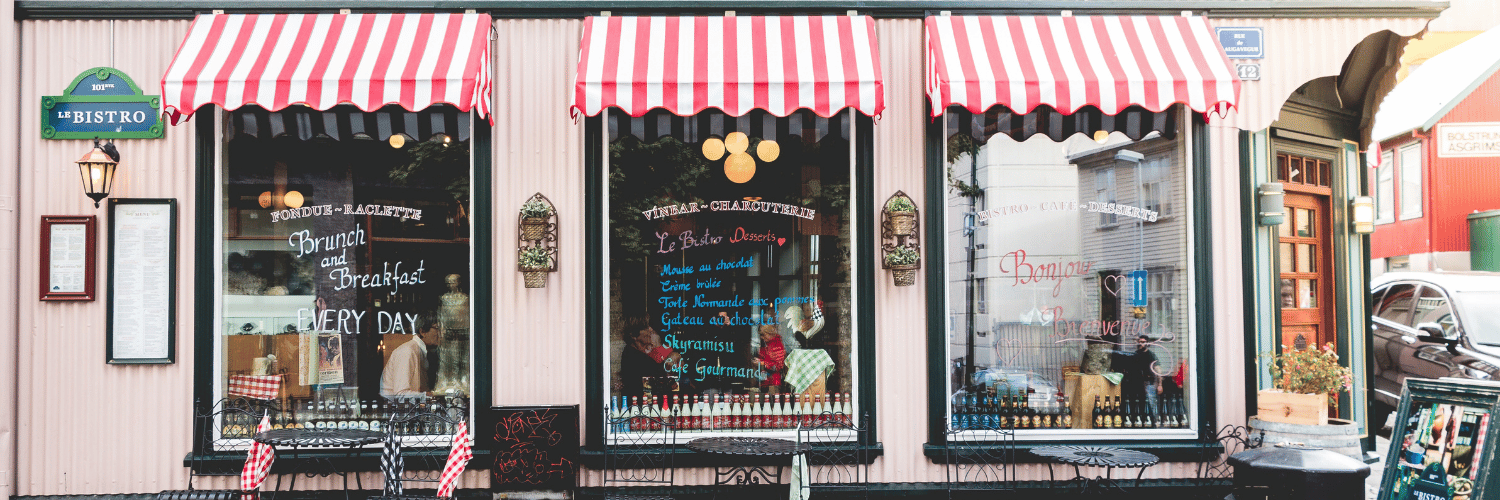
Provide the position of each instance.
(780, 241)
(1112, 283)
(1011, 350)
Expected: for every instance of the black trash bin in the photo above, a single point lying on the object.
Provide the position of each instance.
(1294, 472)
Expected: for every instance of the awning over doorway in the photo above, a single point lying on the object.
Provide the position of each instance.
(735, 64)
(1068, 63)
(323, 60)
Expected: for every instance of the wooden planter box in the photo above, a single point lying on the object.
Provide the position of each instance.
(1291, 408)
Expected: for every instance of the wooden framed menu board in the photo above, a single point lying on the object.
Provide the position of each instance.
(1445, 432)
(142, 306)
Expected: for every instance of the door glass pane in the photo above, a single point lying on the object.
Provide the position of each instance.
(1286, 258)
(1304, 223)
(1307, 294)
(1304, 258)
(1284, 229)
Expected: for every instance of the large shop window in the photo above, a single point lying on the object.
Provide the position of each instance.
(729, 265)
(345, 262)
(1068, 274)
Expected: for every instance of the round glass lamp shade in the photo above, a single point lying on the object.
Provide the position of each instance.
(739, 167)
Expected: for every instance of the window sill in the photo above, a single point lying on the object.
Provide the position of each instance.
(364, 460)
(1167, 451)
(689, 459)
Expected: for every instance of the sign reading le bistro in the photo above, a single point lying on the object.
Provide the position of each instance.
(102, 103)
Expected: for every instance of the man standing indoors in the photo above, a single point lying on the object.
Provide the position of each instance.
(405, 372)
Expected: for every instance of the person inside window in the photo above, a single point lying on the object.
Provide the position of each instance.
(644, 360)
(771, 357)
(1140, 381)
(405, 373)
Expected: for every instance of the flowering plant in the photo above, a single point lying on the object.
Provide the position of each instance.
(1311, 371)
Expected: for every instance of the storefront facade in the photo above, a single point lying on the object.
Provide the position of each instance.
(702, 212)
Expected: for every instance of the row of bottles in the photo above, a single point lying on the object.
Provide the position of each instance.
(1134, 413)
(350, 414)
(725, 412)
(1011, 410)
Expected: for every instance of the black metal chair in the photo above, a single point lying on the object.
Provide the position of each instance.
(221, 442)
(639, 454)
(838, 457)
(980, 461)
(424, 429)
(1215, 475)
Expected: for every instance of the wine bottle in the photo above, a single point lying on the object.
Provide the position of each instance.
(1067, 411)
(1128, 415)
(1117, 418)
(1098, 414)
(1182, 413)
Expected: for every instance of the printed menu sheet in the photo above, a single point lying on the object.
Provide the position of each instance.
(141, 281)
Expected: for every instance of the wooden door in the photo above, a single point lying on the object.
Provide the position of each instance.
(1305, 272)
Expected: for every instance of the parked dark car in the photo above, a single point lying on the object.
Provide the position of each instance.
(1432, 325)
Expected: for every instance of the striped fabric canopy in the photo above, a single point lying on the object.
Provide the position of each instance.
(323, 60)
(735, 64)
(1066, 62)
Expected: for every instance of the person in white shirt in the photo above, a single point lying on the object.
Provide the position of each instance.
(405, 372)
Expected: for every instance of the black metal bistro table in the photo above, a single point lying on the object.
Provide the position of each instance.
(748, 447)
(1098, 456)
(293, 440)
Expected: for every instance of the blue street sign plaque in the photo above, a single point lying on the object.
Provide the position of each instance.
(1242, 43)
(103, 103)
(1138, 288)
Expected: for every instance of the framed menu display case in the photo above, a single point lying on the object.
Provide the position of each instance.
(1443, 435)
(142, 306)
(67, 255)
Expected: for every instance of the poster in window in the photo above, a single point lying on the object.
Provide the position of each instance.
(141, 314)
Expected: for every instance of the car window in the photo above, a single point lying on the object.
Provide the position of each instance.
(1432, 307)
(1481, 312)
(1396, 305)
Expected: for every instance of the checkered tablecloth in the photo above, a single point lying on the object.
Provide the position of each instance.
(255, 386)
(803, 366)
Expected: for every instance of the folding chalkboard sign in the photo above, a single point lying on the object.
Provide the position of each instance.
(103, 103)
(1445, 432)
(536, 447)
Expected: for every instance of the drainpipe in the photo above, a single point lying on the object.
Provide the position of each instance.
(10, 174)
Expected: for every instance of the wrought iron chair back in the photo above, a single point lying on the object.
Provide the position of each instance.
(1214, 472)
(639, 450)
(839, 455)
(221, 440)
(425, 429)
(981, 460)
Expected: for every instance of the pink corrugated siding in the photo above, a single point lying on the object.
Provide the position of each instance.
(85, 426)
(1289, 63)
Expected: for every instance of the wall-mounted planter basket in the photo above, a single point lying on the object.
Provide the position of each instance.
(536, 248)
(900, 245)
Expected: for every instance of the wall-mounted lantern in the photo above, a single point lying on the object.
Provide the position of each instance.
(97, 169)
(900, 246)
(536, 249)
(1362, 210)
(1272, 202)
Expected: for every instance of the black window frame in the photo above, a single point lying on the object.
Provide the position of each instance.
(1169, 450)
(595, 320)
(205, 271)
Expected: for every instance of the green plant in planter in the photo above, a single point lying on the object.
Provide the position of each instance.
(902, 256)
(535, 208)
(1311, 371)
(900, 204)
(535, 259)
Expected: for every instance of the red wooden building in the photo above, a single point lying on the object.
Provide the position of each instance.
(1439, 159)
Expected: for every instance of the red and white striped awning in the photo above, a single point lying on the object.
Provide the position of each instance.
(1066, 62)
(735, 64)
(323, 60)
